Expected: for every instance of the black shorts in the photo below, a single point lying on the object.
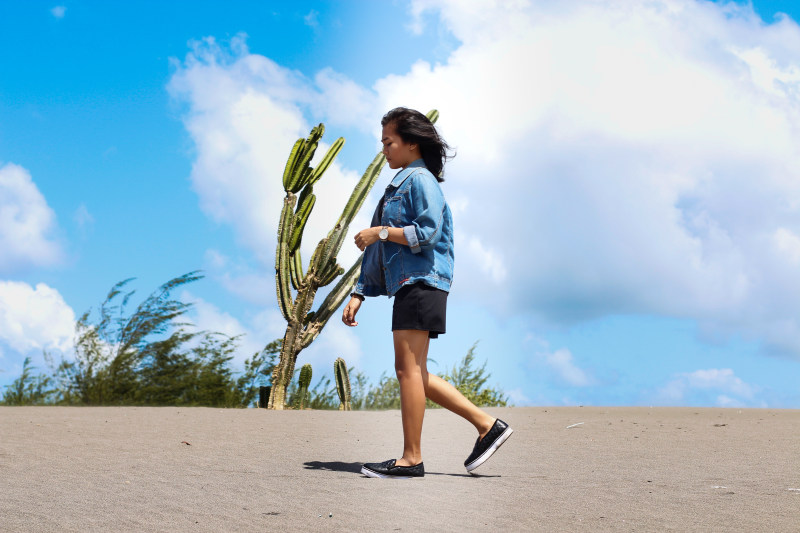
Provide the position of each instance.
(421, 307)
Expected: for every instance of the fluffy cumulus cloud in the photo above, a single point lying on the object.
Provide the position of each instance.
(629, 157)
(712, 386)
(563, 364)
(613, 156)
(32, 319)
(244, 112)
(559, 363)
(27, 223)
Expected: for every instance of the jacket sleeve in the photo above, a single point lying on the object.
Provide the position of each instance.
(426, 211)
(359, 286)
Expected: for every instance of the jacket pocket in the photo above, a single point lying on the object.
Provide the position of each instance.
(392, 212)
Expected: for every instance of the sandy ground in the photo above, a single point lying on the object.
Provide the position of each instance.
(198, 469)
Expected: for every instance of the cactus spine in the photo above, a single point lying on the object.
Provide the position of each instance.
(302, 324)
(303, 383)
(342, 383)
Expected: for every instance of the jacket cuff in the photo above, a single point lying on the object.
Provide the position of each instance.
(410, 233)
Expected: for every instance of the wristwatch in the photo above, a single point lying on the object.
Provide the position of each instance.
(384, 233)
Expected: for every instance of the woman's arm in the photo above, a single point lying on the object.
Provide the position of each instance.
(428, 207)
(368, 236)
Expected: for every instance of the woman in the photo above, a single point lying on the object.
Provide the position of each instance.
(409, 255)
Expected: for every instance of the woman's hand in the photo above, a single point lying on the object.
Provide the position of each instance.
(350, 310)
(368, 236)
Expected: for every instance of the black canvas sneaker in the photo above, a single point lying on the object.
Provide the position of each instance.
(486, 446)
(387, 469)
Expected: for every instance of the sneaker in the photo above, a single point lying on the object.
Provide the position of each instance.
(387, 469)
(486, 446)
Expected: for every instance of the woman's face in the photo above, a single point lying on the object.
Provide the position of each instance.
(398, 153)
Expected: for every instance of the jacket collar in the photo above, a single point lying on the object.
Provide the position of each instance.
(401, 176)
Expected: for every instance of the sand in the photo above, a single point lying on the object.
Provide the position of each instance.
(199, 469)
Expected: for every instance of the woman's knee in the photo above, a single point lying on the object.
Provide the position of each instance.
(407, 371)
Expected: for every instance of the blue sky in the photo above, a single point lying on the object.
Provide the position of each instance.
(625, 191)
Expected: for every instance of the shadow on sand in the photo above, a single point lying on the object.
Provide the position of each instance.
(355, 468)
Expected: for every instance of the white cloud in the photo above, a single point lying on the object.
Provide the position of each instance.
(625, 157)
(59, 12)
(788, 243)
(343, 102)
(254, 335)
(252, 286)
(720, 387)
(562, 363)
(33, 319)
(619, 157)
(489, 261)
(518, 398)
(244, 114)
(26, 222)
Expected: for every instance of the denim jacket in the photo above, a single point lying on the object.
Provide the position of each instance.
(412, 201)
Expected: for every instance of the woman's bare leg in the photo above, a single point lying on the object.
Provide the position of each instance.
(411, 358)
(410, 355)
(449, 397)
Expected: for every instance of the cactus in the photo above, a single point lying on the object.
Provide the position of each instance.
(303, 383)
(302, 324)
(342, 383)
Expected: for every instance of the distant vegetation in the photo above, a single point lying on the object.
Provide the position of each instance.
(153, 356)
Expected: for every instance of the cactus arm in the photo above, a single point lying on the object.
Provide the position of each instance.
(290, 163)
(282, 274)
(296, 270)
(300, 219)
(333, 151)
(433, 115)
(330, 275)
(314, 264)
(305, 176)
(301, 167)
(283, 281)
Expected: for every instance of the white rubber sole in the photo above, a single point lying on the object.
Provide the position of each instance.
(490, 450)
(371, 473)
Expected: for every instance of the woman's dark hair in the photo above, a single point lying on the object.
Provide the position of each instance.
(415, 128)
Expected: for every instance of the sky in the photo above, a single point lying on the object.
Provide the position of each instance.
(625, 190)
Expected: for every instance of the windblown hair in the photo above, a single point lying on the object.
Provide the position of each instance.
(415, 128)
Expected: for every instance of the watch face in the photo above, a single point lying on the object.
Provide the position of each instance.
(384, 234)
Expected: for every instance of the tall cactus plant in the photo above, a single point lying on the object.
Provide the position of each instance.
(342, 383)
(302, 324)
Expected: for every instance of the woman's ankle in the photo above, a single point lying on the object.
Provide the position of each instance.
(411, 461)
(485, 426)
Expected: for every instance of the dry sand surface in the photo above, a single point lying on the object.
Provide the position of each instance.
(198, 469)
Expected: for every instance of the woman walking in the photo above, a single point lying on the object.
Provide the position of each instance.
(408, 255)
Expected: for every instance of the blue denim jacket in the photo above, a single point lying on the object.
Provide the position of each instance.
(413, 201)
